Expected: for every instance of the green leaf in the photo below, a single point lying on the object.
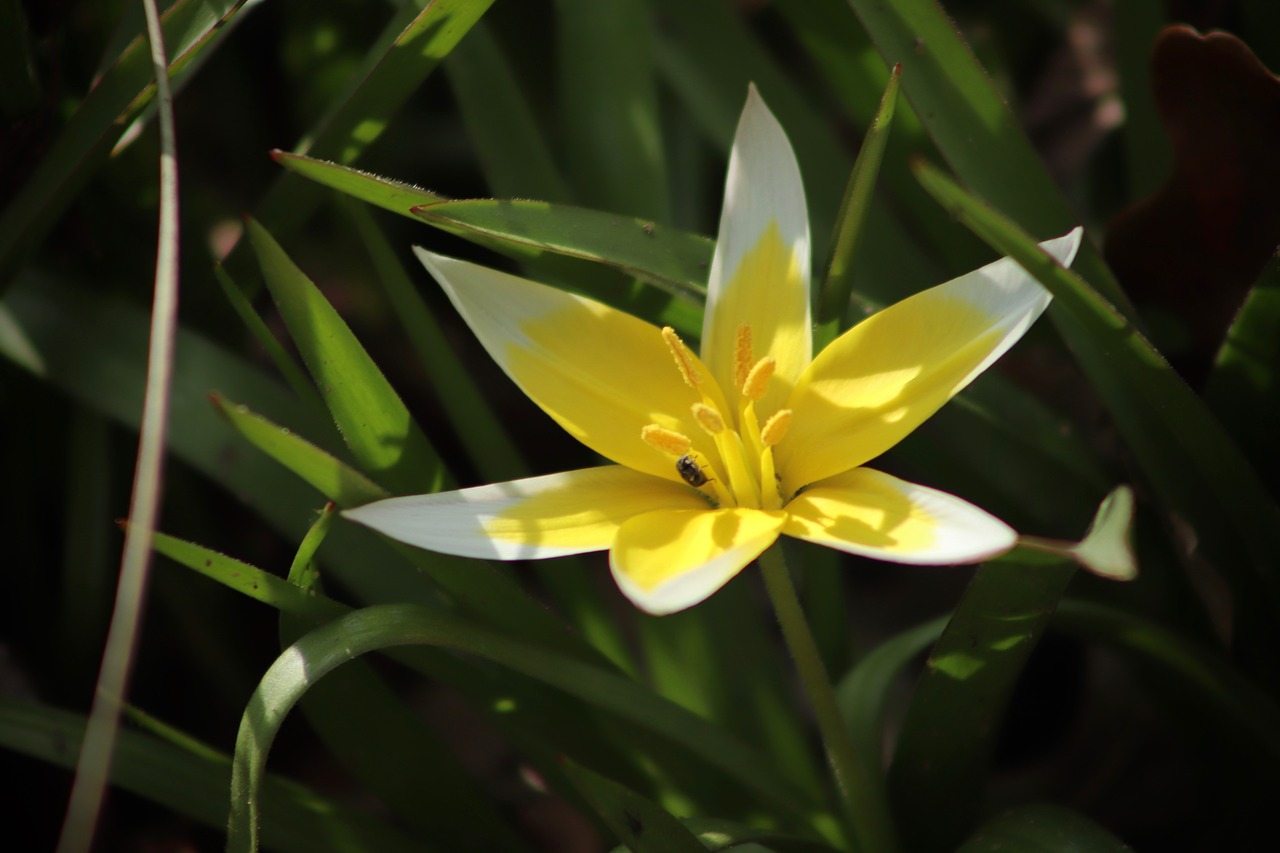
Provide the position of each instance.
(1243, 390)
(609, 106)
(1198, 473)
(971, 123)
(940, 765)
(387, 626)
(374, 422)
(192, 779)
(1228, 704)
(395, 196)
(1043, 828)
(674, 260)
(863, 693)
(502, 126)
(191, 27)
(716, 834)
(640, 824)
(383, 742)
(833, 302)
(414, 43)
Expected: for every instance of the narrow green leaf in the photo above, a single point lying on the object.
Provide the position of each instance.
(386, 626)
(708, 55)
(1199, 474)
(523, 231)
(716, 834)
(940, 765)
(833, 300)
(971, 123)
(1233, 707)
(384, 743)
(640, 824)
(190, 28)
(675, 260)
(501, 124)
(1043, 828)
(415, 42)
(192, 779)
(395, 196)
(840, 49)
(289, 369)
(863, 693)
(609, 105)
(1243, 390)
(374, 422)
(328, 475)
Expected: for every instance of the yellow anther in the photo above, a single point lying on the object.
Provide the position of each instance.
(667, 440)
(742, 357)
(684, 358)
(757, 381)
(708, 418)
(775, 428)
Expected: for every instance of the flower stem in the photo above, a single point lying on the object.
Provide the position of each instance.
(858, 777)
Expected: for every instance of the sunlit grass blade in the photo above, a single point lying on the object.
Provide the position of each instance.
(388, 626)
(370, 415)
(386, 193)
(609, 101)
(192, 779)
(1043, 827)
(190, 27)
(502, 126)
(837, 286)
(1198, 473)
(940, 764)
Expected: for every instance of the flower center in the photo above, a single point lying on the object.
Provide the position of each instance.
(743, 446)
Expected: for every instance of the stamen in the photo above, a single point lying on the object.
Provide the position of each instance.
(667, 440)
(742, 357)
(775, 428)
(708, 418)
(684, 358)
(757, 381)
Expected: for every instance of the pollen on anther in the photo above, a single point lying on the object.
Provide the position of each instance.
(742, 355)
(708, 418)
(757, 381)
(666, 440)
(684, 358)
(775, 428)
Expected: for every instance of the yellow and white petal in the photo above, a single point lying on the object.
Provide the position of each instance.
(600, 373)
(668, 560)
(873, 514)
(884, 377)
(760, 271)
(551, 516)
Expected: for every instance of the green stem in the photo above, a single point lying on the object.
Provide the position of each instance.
(858, 777)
